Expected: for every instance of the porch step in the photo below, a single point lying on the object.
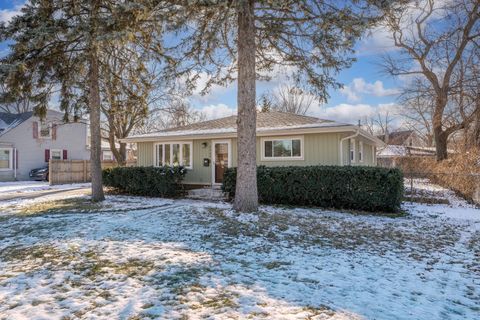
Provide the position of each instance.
(207, 193)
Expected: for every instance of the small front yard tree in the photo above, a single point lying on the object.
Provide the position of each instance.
(60, 42)
(249, 39)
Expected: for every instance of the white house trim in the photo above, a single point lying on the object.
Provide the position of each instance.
(262, 148)
(180, 143)
(229, 164)
(10, 159)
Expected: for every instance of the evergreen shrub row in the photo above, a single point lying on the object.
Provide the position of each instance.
(145, 181)
(349, 187)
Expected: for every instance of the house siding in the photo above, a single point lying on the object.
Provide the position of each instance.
(319, 149)
(31, 152)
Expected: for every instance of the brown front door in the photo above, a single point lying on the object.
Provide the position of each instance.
(221, 160)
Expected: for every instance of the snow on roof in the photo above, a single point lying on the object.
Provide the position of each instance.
(402, 151)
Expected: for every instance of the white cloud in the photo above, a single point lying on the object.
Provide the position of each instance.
(215, 111)
(7, 14)
(359, 86)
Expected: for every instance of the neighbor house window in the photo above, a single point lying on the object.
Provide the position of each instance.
(45, 130)
(107, 155)
(282, 148)
(352, 150)
(173, 154)
(56, 154)
(360, 152)
(5, 158)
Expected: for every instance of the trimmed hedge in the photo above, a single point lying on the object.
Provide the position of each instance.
(145, 181)
(359, 188)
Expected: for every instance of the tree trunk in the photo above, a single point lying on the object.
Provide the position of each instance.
(439, 135)
(95, 135)
(440, 143)
(246, 196)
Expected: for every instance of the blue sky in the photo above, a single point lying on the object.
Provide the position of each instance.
(366, 89)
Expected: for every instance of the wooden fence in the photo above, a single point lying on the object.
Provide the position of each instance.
(75, 171)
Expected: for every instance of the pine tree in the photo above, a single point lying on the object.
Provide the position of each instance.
(246, 39)
(60, 42)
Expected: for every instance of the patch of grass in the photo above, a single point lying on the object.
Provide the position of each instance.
(62, 206)
(276, 264)
(219, 302)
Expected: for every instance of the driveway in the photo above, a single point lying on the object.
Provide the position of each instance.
(19, 190)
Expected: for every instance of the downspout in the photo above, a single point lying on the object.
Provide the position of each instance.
(15, 163)
(357, 132)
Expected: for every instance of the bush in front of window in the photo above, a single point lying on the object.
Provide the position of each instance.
(349, 187)
(145, 181)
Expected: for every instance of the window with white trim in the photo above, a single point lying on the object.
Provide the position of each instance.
(282, 148)
(45, 130)
(173, 154)
(352, 150)
(360, 152)
(56, 154)
(6, 158)
(107, 155)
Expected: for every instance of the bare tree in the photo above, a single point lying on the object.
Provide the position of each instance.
(435, 37)
(126, 84)
(379, 123)
(292, 99)
(174, 113)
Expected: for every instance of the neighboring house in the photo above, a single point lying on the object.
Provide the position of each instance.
(283, 139)
(27, 142)
(406, 138)
(401, 144)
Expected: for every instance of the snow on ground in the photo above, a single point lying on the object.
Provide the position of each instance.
(31, 186)
(143, 258)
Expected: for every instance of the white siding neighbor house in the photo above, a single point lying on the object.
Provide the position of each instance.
(27, 142)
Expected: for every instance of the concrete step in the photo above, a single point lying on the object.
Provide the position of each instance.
(207, 194)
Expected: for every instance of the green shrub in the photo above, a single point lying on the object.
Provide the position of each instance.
(145, 181)
(348, 187)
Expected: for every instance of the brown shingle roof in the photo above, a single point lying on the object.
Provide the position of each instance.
(270, 119)
(397, 138)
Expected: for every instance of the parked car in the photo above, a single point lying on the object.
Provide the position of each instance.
(39, 174)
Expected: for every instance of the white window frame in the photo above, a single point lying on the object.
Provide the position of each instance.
(155, 160)
(262, 148)
(50, 128)
(107, 152)
(10, 159)
(360, 152)
(55, 150)
(352, 152)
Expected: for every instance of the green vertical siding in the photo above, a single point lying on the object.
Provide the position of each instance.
(319, 149)
(199, 173)
(145, 154)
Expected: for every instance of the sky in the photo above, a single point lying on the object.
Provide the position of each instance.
(366, 88)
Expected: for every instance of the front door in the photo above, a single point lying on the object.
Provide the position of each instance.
(221, 157)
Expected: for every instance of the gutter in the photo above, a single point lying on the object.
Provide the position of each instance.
(357, 132)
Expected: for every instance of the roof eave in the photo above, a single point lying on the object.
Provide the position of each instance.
(261, 133)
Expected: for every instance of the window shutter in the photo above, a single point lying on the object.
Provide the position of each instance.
(54, 132)
(47, 155)
(64, 154)
(35, 130)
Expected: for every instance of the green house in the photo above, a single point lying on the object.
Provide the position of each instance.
(283, 139)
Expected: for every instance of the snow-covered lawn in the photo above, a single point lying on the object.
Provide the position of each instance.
(141, 258)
